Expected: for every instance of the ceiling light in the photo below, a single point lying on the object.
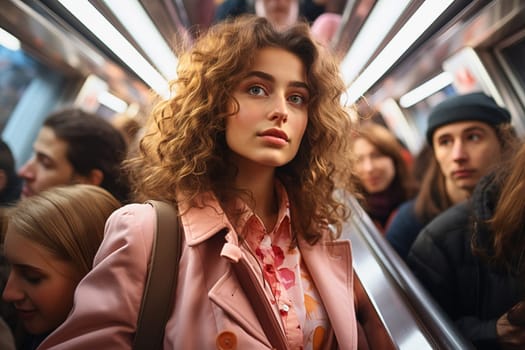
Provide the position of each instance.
(109, 35)
(385, 13)
(112, 102)
(9, 41)
(425, 15)
(139, 25)
(426, 89)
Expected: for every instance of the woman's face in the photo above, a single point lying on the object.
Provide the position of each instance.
(273, 111)
(40, 286)
(375, 170)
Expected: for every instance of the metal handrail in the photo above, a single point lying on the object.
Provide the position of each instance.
(410, 315)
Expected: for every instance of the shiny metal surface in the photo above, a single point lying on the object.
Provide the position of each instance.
(409, 314)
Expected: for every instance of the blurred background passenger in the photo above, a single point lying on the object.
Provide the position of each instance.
(323, 15)
(383, 175)
(10, 183)
(10, 188)
(281, 13)
(73, 147)
(309, 9)
(325, 27)
(469, 135)
(128, 126)
(470, 258)
(131, 129)
(50, 244)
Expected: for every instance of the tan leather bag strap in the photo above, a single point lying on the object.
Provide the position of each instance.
(161, 282)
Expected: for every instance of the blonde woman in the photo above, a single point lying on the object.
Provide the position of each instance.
(50, 243)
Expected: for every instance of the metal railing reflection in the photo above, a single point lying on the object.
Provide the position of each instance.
(408, 312)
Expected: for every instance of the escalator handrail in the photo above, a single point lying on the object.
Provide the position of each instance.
(439, 327)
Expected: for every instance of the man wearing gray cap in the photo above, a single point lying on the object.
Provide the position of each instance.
(469, 135)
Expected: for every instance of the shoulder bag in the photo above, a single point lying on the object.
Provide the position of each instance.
(161, 282)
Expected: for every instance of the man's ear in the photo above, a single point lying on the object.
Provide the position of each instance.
(94, 177)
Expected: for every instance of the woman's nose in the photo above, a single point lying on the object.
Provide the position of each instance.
(12, 292)
(280, 110)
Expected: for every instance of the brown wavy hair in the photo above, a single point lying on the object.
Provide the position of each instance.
(184, 149)
(508, 221)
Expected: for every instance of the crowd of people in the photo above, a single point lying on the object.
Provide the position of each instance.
(250, 151)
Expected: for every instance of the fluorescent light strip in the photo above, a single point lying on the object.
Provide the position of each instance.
(9, 41)
(385, 12)
(426, 89)
(99, 25)
(140, 26)
(425, 15)
(111, 101)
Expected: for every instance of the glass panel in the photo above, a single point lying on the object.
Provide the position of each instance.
(515, 56)
(17, 70)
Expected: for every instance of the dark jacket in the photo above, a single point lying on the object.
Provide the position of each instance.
(472, 293)
(404, 228)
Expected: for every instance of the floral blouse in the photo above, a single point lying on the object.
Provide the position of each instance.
(302, 312)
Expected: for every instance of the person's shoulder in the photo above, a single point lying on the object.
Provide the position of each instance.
(407, 207)
(452, 218)
(132, 215)
(405, 213)
(135, 209)
(449, 228)
(130, 231)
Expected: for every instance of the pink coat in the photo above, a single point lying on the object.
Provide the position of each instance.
(210, 305)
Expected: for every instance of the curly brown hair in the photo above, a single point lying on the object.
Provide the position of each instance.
(184, 148)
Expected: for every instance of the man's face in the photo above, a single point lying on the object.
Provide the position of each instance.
(466, 151)
(48, 167)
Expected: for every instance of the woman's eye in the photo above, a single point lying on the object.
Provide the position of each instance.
(256, 90)
(34, 280)
(32, 277)
(296, 99)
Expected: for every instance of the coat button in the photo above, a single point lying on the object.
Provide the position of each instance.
(226, 341)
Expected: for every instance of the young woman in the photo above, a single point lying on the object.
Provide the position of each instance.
(50, 243)
(251, 148)
(382, 172)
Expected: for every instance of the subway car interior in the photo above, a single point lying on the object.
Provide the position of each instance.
(398, 58)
